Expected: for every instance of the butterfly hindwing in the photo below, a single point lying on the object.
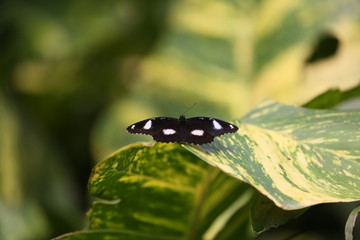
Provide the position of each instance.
(170, 131)
(213, 126)
(196, 134)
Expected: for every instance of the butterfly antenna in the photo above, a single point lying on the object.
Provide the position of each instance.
(189, 108)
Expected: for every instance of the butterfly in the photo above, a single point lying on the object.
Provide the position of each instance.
(197, 130)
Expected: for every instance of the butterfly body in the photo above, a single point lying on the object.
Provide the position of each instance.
(197, 130)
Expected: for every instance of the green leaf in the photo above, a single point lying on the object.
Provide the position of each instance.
(297, 157)
(107, 234)
(350, 223)
(163, 191)
(332, 98)
(265, 215)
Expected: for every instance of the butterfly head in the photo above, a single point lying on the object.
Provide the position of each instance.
(182, 118)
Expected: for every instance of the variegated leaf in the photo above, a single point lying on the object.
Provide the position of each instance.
(295, 156)
(162, 191)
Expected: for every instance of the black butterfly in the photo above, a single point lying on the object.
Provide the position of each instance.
(198, 130)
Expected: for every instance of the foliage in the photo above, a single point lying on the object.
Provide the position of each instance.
(163, 192)
(75, 73)
(295, 156)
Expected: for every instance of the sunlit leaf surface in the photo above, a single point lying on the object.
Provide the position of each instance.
(295, 156)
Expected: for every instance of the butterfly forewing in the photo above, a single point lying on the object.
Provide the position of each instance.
(152, 126)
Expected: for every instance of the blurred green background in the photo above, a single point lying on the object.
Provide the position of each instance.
(74, 74)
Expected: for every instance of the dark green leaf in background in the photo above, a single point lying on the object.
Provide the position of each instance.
(333, 97)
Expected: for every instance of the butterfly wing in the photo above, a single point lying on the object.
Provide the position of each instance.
(202, 130)
(162, 129)
(199, 130)
(195, 134)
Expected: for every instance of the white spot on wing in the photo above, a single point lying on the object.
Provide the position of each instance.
(132, 127)
(197, 132)
(231, 126)
(217, 125)
(169, 131)
(147, 125)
